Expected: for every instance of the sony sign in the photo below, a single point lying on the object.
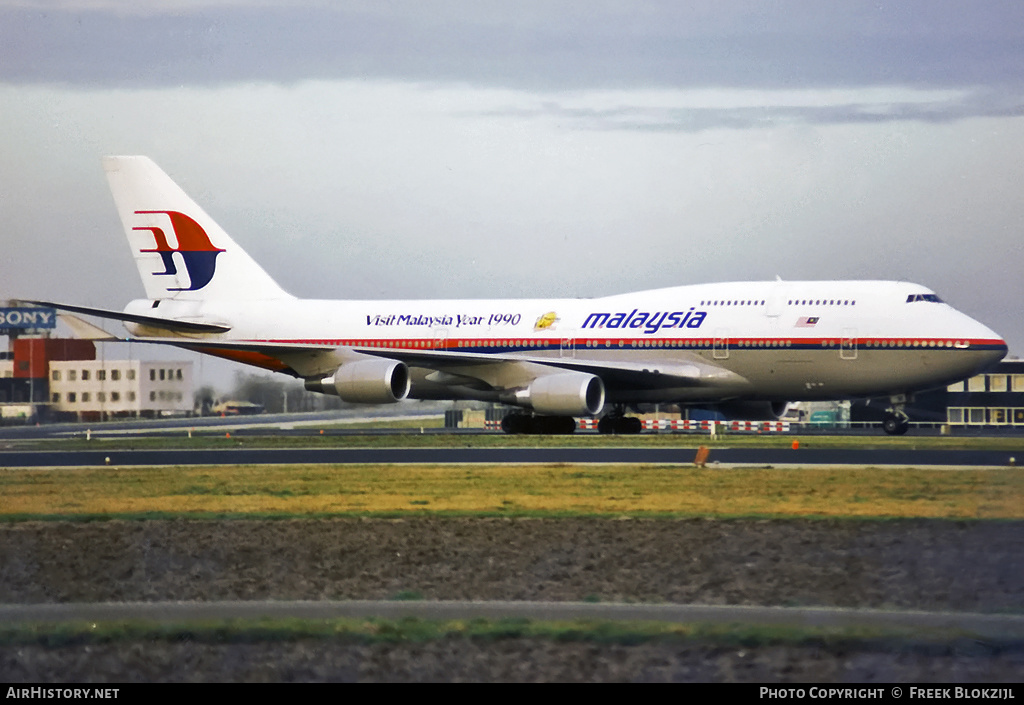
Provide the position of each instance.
(27, 318)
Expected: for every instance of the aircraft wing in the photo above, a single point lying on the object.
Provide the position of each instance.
(495, 370)
(498, 370)
(691, 371)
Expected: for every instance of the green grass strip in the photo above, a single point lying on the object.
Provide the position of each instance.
(416, 630)
(224, 438)
(533, 490)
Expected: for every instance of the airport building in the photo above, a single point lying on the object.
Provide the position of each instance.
(992, 399)
(102, 389)
(87, 389)
(45, 378)
(24, 367)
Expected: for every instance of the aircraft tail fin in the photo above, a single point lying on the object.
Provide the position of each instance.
(180, 251)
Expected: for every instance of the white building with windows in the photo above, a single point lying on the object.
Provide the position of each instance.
(992, 399)
(105, 388)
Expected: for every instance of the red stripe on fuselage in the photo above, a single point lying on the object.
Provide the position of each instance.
(700, 343)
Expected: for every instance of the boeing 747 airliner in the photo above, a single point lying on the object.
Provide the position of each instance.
(744, 348)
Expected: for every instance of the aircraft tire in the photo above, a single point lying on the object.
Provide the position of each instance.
(516, 424)
(537, 425)
(622, 425)
(554, 425)
(893, 425)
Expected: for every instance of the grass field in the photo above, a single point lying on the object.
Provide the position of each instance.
(413, 630)
(516, 490)
(413, 439)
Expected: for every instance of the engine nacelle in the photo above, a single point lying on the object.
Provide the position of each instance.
(379, 381)
(565, 394)
(754, 410)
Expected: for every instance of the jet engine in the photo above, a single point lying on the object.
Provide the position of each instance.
(378, 381)
(564, 394)
(754, 410)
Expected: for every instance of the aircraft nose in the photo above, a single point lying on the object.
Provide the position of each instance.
(986, 347)
(999, 349)
(991, 343)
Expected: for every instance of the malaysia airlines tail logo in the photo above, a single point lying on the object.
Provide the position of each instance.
(194, 246)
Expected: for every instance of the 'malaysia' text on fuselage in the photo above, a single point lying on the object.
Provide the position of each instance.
(650, 322)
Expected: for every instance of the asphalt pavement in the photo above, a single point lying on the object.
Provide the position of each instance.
(965, 624)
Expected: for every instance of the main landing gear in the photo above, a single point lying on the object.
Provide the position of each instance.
(525, 423)
(614, 422)
(617, 422)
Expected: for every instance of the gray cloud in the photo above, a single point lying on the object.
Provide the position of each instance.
(698, 118)
(534, 45)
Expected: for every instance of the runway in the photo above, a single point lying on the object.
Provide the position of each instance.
(493, 456)
(965, 624)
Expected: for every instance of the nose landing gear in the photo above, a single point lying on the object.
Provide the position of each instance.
(896, 421)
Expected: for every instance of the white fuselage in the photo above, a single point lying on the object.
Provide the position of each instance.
(782, 340)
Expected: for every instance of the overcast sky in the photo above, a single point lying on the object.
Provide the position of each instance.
(491, 149)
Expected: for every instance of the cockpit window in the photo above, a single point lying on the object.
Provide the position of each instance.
(924, 297)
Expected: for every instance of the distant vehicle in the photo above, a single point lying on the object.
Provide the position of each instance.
(746, 349)
(236, 408)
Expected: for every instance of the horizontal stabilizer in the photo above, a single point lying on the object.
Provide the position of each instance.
(155, 321)
(83, 330)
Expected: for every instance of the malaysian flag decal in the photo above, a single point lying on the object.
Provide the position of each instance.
(806, 321)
